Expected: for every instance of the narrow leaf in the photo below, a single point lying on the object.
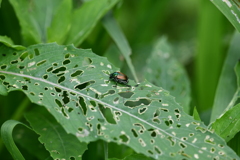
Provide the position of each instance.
(230, 8)
(225, 94)
(117, 35)
(73, 84)
(6, 134)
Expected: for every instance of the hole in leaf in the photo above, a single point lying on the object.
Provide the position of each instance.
(45, 76)
(49, 69)
(178, 125)
(3, 55)
(65, 97)
(126, 94)
(58, 89)
(191, 134)
(139, 102)
(55, 64)
(83, 105)
(116, 100)
(21, 67)
(63, 112)
(93, 103)
(182, 145)
(156, 120)
(75, 66)
(157, 150)
(77, 73)
(107, 114)
(67, 55)
(150, 152)
(142, 110)
(156, 113)
(2, 77)
(14, 61)
(60, 69)
(110, 92)
(27, 79)
(134, 133)
(70, 110)
(58, 103)
(86, 61)
(164, 109)
(172, 141)
(203, 130)
(67, 61)
(25, 87)
(84, 85)
(23, 56)
(124, 138)
(30, 56)
(37, 53)
(32, 93)
(41, 62)
(61, 79)
(3, 66)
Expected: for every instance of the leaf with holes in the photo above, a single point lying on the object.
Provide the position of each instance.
(73, 84)
(164, 70)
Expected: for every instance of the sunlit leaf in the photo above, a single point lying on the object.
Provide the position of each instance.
(73, 84)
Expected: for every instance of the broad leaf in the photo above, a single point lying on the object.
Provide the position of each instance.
(85, 18)
(38, 19)
(60, 144)
(8, 42)
(73, 84)
(164, 70)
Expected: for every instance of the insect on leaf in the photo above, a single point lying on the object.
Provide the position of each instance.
(73, 84)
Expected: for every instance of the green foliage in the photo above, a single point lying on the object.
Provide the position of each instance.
(73, 85)
(230, 8)
(74, 112)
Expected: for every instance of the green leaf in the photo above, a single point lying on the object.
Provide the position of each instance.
(8, 42)
(73, 84)
(228, 78)
(6, 134)
(38, 19)
(85, 18)
(196, 115)
(59, 144)
(28, 143)
(117, 35)
(164, 70)
(60, 25)
(3, 90)
(228, 124)
(230, 8)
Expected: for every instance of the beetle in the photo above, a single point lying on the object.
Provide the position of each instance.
(120, 78)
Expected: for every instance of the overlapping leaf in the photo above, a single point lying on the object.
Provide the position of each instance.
(73, 85)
